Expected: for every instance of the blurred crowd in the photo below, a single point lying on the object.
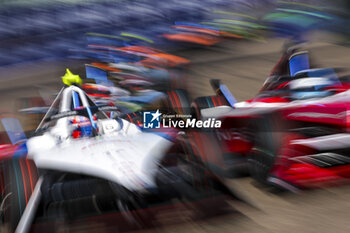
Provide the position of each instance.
(33, 30)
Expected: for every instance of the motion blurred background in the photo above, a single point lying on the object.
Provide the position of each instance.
(237, 41)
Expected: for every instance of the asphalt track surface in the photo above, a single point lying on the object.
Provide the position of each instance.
(243, 66)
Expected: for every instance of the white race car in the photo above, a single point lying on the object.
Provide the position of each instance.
(91, 164)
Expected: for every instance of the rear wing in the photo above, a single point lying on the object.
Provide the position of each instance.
(222, 90)
(99, 75)
(298, 62)
(13, 129)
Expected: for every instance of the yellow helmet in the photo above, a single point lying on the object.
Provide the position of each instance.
(69, 78)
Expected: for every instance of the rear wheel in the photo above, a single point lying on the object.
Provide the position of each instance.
(178, 102)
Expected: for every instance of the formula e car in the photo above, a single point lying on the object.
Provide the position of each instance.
(91, 164)
(288, 135)
(303, 145)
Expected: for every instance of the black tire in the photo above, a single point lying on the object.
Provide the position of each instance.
(267, 142)
(178, 102)
(20, 177)
(260, 164)
(70, 196)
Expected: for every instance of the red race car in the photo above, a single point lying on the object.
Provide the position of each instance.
(292, 135)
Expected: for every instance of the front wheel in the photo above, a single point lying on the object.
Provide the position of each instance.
(269, 134)
(260, 163)
(20, 177)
